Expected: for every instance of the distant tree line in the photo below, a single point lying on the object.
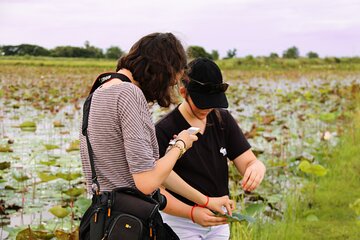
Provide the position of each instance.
(87, 51)
(113, 52)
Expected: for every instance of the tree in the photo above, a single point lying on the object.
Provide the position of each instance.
(214, 55)
(24, 49)
(69, 51)
(274, 55)
(197, 51)
(231, 53)
(292, 52)
(312, 55)
(114, 52)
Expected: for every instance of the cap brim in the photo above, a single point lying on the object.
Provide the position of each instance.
(206, 101)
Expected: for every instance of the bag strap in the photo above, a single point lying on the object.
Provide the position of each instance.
(101, 79)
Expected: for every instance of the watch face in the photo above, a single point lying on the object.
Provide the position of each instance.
(172, 142)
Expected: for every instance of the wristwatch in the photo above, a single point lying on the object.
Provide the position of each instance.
(180, 146)
(176, 143)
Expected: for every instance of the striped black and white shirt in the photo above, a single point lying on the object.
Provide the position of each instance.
(122, 136)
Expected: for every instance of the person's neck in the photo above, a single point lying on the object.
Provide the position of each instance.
(115, 81)
(190, 116)
(127, 73)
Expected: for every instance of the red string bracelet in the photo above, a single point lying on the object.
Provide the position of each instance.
(191, 212)
(207, 202)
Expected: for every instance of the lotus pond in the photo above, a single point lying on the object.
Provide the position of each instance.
(292, 124)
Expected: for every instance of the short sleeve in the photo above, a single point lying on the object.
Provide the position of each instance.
(137, 129)
(236, 143)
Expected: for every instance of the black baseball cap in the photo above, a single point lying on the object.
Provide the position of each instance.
(205, 85)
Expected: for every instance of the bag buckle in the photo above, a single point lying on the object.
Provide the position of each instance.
(95, 187)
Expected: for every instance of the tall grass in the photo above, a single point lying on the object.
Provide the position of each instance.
(321, 209)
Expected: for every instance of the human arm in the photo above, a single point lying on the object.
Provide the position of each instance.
(176, 184)
(251, 168)
(148, 181)
(138, 134)
(200, 215)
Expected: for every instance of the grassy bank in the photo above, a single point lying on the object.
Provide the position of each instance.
(253, 65)
(322, 208)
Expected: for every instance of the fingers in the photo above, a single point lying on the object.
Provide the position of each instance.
(252, 181)
(206, 218)
(187, 138)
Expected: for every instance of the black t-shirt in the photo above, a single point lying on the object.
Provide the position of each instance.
(204, 166)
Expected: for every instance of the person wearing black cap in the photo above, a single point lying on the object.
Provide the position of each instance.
(205, 165)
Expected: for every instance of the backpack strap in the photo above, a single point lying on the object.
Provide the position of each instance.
(101, 79)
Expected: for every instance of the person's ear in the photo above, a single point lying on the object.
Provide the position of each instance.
(183, 91)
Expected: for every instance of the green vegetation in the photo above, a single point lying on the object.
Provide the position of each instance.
(88, 51)
(114, 52)
(324, 208)
(292, 52)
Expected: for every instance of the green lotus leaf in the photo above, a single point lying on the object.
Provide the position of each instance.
(58, 124)
(312, 218)
(59, 211)
(254, 208)
(5, 148)
(4, 165)
(28, 233)
(48, 163)
(74, 146)
(315, 169)
(46, 177)
(69, 176)
(28, 124)
(51, 146)
(82, 204)
(20, 177)
(236, 217)
(74, 192)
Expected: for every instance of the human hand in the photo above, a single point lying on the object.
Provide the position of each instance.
(187, 138)
(206, 218)
(253, 176)
(217, 204)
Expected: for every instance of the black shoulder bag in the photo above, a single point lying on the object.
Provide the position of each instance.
(123, 213)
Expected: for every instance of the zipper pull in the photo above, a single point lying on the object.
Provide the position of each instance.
(105, 236)
(109, 207)
(96, 215)
(151, 230)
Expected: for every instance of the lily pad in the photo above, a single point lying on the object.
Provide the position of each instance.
(59, 211)
(20, 177)
(46, 177)
(5, 148)
(69, 176)
(58, 124)
(315, 169)
(28, 233)
(74, 146)
(62, 235)
(74, 192)
(236, 217)
(4, 165)
(51, 162)
(82, 204)
(312, 218)
(51, 146)
(28, 126)
(254, 208)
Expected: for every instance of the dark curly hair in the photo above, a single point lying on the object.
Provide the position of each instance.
(154, 61)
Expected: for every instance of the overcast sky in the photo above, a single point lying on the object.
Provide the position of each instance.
(257, 27)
